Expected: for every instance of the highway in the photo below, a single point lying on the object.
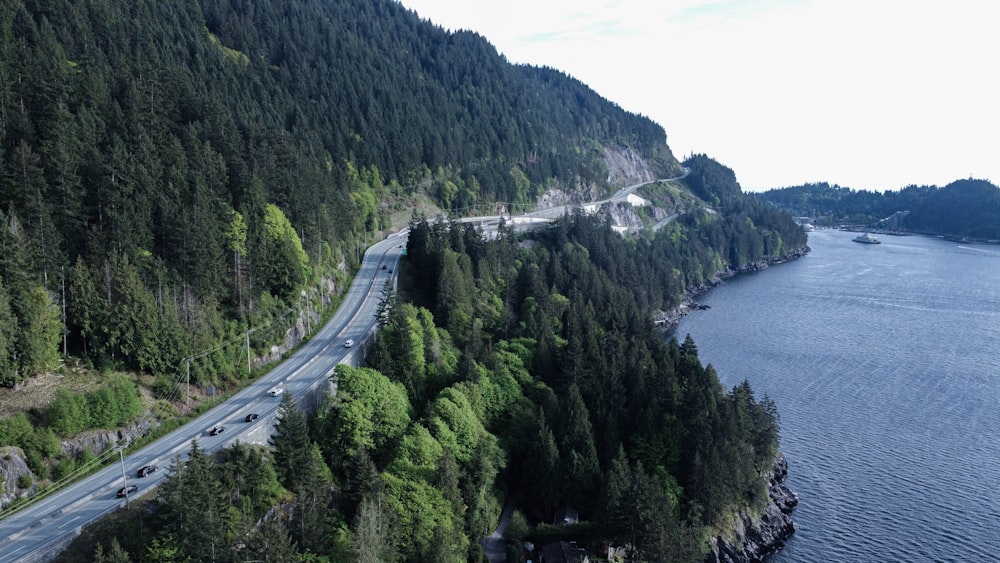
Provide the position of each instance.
(40, 531)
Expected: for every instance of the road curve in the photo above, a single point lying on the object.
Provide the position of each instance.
(39, 531)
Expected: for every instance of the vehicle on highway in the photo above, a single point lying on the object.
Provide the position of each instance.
(215, 431)
(251, 417)
(127, 490)
(147, 470)
(349, 343)
(383, 266)
(276, 392)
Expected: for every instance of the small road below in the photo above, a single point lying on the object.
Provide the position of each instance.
(494, 545)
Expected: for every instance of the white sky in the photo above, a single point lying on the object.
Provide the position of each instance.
(869, 94)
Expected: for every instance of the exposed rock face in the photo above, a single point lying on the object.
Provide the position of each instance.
(756, 538)
(12, 466)
(626, 167)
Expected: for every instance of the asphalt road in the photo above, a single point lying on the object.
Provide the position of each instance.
(39, 531)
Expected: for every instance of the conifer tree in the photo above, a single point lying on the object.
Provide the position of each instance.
(291, 442)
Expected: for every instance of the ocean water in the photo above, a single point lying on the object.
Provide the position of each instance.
(884, 363)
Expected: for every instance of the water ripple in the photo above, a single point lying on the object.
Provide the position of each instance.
(884, 369)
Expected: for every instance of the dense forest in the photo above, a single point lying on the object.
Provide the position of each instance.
(173, 173)
(962, 209)
(174, 176)
(526, 366)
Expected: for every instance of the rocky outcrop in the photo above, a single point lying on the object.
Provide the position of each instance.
(14, 473)
(756, 537)
(626, 167)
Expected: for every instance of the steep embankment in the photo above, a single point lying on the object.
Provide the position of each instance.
(757, 536)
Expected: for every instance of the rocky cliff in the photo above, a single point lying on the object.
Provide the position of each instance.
(756, 537)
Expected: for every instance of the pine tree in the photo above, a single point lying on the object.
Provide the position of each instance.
(8, 340)
(291, 442)
(311, 524)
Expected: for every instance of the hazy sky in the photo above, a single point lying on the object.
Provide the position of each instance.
(869, 94)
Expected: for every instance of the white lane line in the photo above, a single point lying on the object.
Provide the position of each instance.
(65, 524)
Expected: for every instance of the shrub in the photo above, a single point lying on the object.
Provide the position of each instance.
(69, 413)
(24, 481)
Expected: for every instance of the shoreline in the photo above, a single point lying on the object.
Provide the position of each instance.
(667, 321)
(753, 538)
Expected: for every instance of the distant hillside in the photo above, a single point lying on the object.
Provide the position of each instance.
(962, 209)
(168, 167)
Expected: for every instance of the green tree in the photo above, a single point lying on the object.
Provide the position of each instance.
(370, 412)
(282, 265)
(271, 543)
(115, 554)
(193, 506)
(39, 335)
(291, 442)
(311, 524)
(164, 549)
(8, 340)
(69, 413)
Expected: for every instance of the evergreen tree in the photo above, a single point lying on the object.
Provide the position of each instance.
(311, 523)
(39, 331)
(8, 340)
(291, 442)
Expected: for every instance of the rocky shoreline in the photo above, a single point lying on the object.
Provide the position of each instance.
(756, 537)
(668, 320)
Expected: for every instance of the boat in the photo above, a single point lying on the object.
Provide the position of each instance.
(808, 227)
(867, 239)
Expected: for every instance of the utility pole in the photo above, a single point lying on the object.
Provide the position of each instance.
(249, 366)
(121, 456)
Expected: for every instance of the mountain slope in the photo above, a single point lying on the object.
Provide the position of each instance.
(176, 166)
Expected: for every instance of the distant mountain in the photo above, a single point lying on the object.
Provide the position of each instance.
(962, 209)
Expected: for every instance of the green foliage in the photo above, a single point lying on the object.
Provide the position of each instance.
(292, 446)
(455, 424)
(370, 412)
(963, 208)
(424, 517)
(38, 331)
(8, 339)
(69, 413)
(114, 403)
(24, 481)
(283, 266)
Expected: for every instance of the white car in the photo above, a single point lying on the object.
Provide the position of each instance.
(349, 343)
(276, 392)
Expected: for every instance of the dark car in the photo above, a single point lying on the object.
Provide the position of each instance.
(145, 471)
(217, 430)
(126, 491)
(252, 417)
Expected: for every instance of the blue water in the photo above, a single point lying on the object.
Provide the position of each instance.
(884, 363)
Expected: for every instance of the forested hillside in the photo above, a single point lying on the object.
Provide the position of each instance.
(174, 173)
(962, 209)
(525, 366)
(177, 175)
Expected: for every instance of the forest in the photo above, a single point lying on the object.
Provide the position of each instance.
(174, 173)
(524, 365)
(174, 176)
(962, 209)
